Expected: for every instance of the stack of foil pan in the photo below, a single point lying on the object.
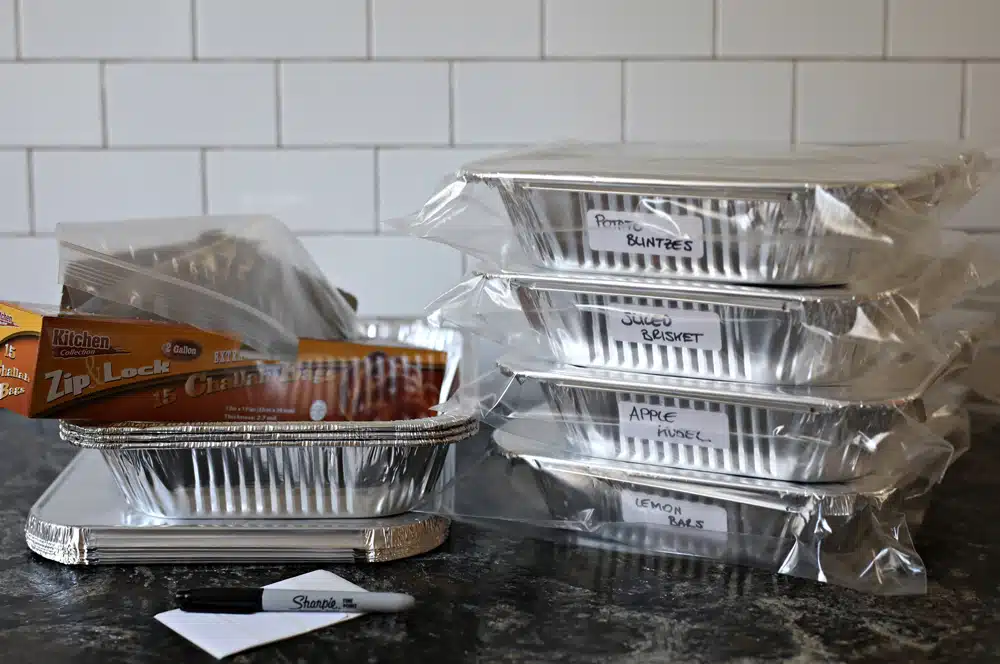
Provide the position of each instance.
(237, 491)
(729, 298)
(83, 519)
(276, 470)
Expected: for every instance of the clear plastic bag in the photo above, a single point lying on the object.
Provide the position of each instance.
(804, 216)
(854, 534)
(800, 434)
(236, 274)
(719, 331)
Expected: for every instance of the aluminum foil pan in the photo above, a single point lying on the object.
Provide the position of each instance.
(713, 516)
(803, 435)
(820, 218)
(152, 435)
(263, 479)
(82, 519)
(717, 331)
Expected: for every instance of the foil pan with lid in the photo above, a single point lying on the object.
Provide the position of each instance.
(83, 519)
(812, 216)
(807, 434)
(792, 528)
(715, 331)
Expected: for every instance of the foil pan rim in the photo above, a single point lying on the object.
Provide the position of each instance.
(734, 488)
(71, 545)
(436, 423)
(180, 442)
(197, 432)
(422, 424)
(805, 397)
(807, 170)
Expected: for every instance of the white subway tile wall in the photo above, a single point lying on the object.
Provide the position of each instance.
(364, 103)
(529, 102)
(310, 190)
(800, 28)
(281, 28)
(705, 101)
(628, 28)
(14, 213)
(119, 29)
(891, 101)
(8, 30)
(455, 29)
(334, 115)
(180, 104)
(104, 185)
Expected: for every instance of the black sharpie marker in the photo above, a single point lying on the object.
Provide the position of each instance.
(256, 600)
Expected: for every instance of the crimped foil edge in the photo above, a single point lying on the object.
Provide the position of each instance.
(446, 438)
(387, 544)
(357, 436)
(436, 422)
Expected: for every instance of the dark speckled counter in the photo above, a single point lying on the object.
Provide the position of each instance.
(490, 598)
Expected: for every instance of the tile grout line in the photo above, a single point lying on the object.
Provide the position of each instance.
(624, 100)
(369, 30)
(715, 29)
(885, 29)
(279, 139)
(203, 165)
(18, 39)
(507, 59)
(376, 190)
(963, 96)
(451, 104)
(541, 29)
(313, 147)
(793, 119)
(29, 163)
(194, 30)
(102, 82)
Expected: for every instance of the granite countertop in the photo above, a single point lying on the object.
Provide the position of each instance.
(490, 598)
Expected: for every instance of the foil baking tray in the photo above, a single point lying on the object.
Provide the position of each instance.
(83, 519)
(817, 216)
(806, 434)
(267, 478)
(743, 520)
(719, 331)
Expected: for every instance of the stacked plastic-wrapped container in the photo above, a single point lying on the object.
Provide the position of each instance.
(745, 356)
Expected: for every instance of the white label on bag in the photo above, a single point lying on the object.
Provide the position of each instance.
(683, 426)
(667, 327)
(656, 234)
(657, 510)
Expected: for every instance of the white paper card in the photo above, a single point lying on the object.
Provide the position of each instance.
(224, 634)
(648, 233)
(683, 426)
(682, 328)
(673, 512)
